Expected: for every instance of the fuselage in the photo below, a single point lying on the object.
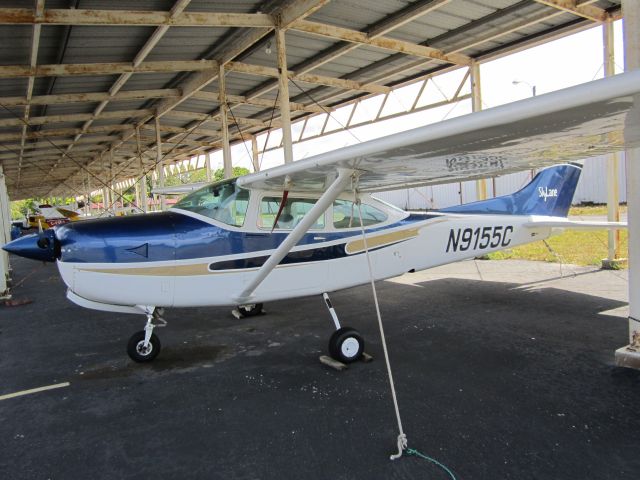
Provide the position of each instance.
(212, 244)
(179, 259)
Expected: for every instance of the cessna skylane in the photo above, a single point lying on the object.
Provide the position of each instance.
(310, 227)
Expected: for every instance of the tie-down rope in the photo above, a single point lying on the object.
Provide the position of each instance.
(402, 437)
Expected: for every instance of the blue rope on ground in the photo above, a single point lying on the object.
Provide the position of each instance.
(411, 451)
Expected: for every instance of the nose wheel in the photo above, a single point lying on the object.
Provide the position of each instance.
(141, 351)
(145, 345)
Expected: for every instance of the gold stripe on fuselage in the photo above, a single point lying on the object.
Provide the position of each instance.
(165, 270)
(357, 246)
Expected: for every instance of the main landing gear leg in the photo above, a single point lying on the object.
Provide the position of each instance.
(346, 344)
(144, 345)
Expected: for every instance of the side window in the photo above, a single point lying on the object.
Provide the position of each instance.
(346, 215)
(293, 212)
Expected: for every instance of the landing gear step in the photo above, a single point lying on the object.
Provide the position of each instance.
(337, 365)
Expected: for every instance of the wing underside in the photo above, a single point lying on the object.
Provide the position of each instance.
(568, 125)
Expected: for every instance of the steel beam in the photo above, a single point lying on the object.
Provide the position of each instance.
(23, 16)
(5, 237)
(160, 163)
(613, 196)
(226, 148)
(589, 12)
(629, 356)
(283, 79)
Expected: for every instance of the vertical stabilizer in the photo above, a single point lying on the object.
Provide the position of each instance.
(549, 193)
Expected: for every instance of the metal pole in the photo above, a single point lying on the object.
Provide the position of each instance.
(283, 82)
(255, 158)
(144, 196)
(224, 107)
(613, 196)
(629, 356)
(476, 106)
(207, 165)
(5, 237)
(159, 164)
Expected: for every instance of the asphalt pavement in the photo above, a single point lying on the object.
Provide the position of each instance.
(503, 370)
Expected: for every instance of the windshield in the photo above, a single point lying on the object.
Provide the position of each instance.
(222, 201)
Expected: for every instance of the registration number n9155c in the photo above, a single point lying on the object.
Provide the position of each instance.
(480, 238)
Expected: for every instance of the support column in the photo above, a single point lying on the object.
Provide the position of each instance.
(105, 199)
(207, 165)
(144, 196)
(613, 196)
(224, 108)
(5, 237)
(159, 165)
(255, 158)
(629, 356)
(283, 82)
(476, 106)
(88, 200)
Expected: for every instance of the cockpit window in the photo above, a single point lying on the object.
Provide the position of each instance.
(222, 201)
(346, 215)
(293, 211)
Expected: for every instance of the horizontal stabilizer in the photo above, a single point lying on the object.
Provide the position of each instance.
(576, 224)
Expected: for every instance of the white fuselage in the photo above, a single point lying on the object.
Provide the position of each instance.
(417, 245)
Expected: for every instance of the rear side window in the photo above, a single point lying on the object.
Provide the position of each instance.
(293, 212)
(346, 215)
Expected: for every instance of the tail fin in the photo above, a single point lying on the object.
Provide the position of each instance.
(549, 193)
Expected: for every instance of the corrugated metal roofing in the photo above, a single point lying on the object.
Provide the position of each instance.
(77, 130)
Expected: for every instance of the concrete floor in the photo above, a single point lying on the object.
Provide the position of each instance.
(504, 370)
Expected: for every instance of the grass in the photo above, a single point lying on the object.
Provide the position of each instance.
(573, 246)
(593, 210)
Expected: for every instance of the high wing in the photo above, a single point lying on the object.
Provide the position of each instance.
(178, 189)
(571, 124)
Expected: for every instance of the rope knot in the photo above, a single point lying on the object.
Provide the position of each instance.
(402, 445)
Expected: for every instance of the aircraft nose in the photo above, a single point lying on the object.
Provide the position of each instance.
(37, 246)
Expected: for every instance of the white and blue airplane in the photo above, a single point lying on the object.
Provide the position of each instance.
(307, 228)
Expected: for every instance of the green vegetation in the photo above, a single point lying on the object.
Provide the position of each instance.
(200, 175)
(593, 210)
(573, 246)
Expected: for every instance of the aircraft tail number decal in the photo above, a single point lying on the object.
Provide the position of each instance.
(480, 238)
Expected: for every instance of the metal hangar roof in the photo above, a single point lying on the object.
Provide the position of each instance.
(88, 86)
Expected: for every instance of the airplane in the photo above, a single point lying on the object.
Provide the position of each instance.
(313, 226)
(47, 216)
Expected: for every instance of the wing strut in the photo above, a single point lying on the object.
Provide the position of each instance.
(327, 198)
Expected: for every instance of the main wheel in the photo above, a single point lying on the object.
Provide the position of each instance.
(346, 345)
(138, 352)
(250, 310)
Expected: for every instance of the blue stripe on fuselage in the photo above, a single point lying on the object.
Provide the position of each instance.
(173, 236)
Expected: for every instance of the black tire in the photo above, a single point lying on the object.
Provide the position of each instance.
(346, 345)
(250, 310)
(135, 347)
